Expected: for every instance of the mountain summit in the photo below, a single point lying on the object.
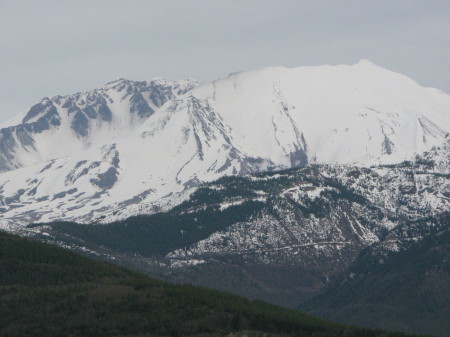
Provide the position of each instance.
(82, 120)
(139, 147)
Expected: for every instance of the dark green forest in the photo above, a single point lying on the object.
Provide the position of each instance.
(49, 291)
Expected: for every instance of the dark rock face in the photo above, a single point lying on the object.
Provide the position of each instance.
(7, 146)
(33, 112)
(104, 112)
(140, 107)
(90, 112)
(24, 137)
(80, 124)
(388, 145)
(299, 158)
(64, 193)
(160, 95)
(49, 117)
(107, 179)
(12, 138)
(81, 169)
(14, 198)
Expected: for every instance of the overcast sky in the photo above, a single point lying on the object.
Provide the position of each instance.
(62, 47)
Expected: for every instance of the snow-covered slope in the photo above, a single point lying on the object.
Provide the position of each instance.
(340, 114)
(154, 154)
(63, 125)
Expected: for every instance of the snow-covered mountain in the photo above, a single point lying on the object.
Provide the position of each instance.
(138, 147)
(278, 236)
(63, 125)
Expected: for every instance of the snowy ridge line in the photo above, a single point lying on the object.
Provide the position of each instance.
(143, 147)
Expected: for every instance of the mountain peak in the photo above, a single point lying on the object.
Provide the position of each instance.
(83, 120)
(365, 62)
(147, 144)
(118, 80)
(119, 84)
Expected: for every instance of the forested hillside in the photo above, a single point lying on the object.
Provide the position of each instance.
(48, 291)
(407, 290)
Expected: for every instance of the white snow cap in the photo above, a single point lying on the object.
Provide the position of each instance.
(163, 138)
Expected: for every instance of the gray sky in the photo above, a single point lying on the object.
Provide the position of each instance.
(61, 47)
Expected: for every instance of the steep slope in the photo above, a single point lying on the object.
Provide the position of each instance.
(48, 291)
(406, 288)
(254, 121)
(328, 114)
(63, 125)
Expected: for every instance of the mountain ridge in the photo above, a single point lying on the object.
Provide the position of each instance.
(87, 115)
(175, 137)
